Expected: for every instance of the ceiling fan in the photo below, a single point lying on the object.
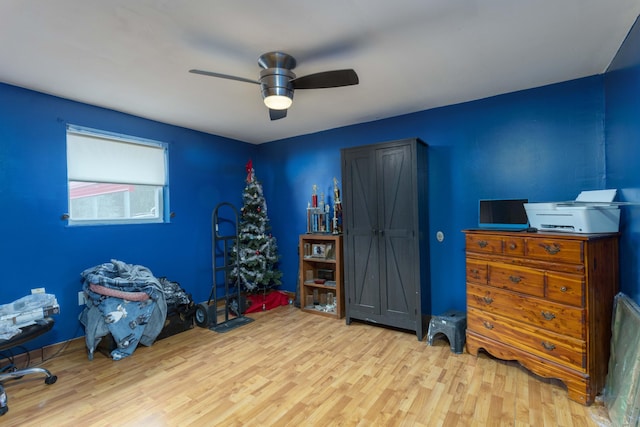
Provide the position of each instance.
(278, 82)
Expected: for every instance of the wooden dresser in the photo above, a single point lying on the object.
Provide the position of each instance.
(545, 300)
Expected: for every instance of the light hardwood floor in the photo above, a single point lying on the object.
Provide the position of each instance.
(291, 368)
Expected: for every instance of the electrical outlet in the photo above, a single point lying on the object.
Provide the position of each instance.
(82, 299)
(37, 291)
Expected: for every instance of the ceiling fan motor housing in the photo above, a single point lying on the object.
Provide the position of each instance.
(276, 82)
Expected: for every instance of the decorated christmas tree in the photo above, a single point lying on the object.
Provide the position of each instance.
(256, 249)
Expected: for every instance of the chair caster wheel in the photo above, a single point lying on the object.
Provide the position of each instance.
(3, 401)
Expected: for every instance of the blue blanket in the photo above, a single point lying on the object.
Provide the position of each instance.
(129, 322)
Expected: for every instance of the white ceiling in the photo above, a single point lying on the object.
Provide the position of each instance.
(134, 55)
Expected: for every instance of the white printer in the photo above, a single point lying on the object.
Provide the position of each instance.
(591, 212)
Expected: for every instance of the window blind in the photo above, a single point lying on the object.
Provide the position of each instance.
(96, 158)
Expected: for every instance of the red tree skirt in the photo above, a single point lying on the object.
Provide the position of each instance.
(261, 302)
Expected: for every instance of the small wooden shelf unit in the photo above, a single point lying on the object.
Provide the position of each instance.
(321, 258)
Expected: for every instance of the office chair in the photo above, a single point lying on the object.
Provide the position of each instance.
(28, 333)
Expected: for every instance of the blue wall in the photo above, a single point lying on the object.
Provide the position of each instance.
(622, 88)
(40, 250)
(544, 144)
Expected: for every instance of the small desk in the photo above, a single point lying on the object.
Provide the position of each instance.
(28, 333)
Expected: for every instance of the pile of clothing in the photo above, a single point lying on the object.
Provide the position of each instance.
(128, 302)
(26, 311)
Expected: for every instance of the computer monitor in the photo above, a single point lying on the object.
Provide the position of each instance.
(507, 214)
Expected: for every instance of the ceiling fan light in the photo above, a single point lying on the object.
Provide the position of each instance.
(277, 90)
(278, 102)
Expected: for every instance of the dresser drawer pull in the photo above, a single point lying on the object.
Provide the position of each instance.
(548, 346)
(512, 246)
(487, 300)
(475, 273)
(487, 325)
(515, 279)
(548, 315)
(563, 289)
(483, 243)
(551, 249)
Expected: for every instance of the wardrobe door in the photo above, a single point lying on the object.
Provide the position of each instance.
(396, 234)
(361, 250)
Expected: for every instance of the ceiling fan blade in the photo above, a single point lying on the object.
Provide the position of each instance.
(326, 79)
(277, 114)
(224, 76)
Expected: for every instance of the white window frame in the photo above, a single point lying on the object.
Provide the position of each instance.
(116, 163)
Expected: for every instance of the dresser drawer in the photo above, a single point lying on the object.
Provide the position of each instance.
(514, 246)
(484, 244)
(558, 348)
(566, 288)
(519, 279)
(476, 271)
(558, 318)
(556, 250)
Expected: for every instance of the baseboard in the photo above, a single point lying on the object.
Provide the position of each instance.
(38, 355)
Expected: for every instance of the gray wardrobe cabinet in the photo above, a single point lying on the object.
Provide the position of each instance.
(385, 221)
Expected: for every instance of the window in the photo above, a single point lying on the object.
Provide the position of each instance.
(115, 179)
